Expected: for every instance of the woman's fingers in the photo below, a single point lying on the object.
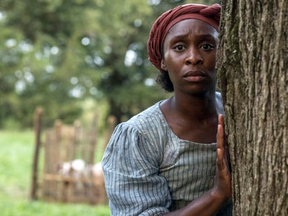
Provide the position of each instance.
(220, 137)
(220, 162)
(221, 119)
(226, 155)
(220, 144)
(223, 178)
(220, 133)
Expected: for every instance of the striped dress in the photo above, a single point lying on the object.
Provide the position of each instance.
(148, 170)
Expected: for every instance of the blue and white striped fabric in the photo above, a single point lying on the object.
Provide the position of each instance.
(150, 171)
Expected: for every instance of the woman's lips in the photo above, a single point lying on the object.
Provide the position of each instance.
(194, 76)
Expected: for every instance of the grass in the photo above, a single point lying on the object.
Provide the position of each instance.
(16, 155)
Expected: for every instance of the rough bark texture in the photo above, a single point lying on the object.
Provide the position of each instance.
(252, 69)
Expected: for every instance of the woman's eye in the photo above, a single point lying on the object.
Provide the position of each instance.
(179, 47)
(207, 47)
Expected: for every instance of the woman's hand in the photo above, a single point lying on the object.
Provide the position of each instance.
(222, 188)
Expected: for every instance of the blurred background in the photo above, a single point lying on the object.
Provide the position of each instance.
(76, 59)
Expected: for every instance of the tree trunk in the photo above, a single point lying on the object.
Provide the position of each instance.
(252, 69)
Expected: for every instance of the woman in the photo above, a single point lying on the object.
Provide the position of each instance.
(166, 160)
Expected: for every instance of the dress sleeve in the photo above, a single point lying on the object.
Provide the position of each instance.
(131, 164)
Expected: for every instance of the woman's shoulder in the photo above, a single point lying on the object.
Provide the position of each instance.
(147, 120)
(146, 128)
(143, 133)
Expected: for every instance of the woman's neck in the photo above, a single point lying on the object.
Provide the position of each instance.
(195, 107)
(192, 118)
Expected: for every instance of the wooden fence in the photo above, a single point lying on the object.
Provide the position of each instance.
(63, 146)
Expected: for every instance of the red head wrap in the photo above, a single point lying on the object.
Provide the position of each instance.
(160, 28)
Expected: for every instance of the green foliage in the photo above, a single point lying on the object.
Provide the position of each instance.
(36, 66)
(55, 54)
(16, 155)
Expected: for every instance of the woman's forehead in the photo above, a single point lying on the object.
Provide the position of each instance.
(189, 26)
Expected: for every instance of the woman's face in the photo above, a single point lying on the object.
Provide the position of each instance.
(190, 55)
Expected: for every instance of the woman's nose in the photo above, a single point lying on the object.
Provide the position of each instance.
(193, 57)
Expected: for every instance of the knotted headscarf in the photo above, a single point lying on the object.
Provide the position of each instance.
(160, 28)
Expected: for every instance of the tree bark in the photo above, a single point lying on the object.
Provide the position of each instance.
(252, 69)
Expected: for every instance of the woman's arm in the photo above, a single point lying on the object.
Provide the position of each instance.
(130, 165)
(210, 202)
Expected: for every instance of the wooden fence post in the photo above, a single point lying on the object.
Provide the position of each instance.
(37, 131)
(94, 136)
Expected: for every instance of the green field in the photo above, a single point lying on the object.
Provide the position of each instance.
(16, 154)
